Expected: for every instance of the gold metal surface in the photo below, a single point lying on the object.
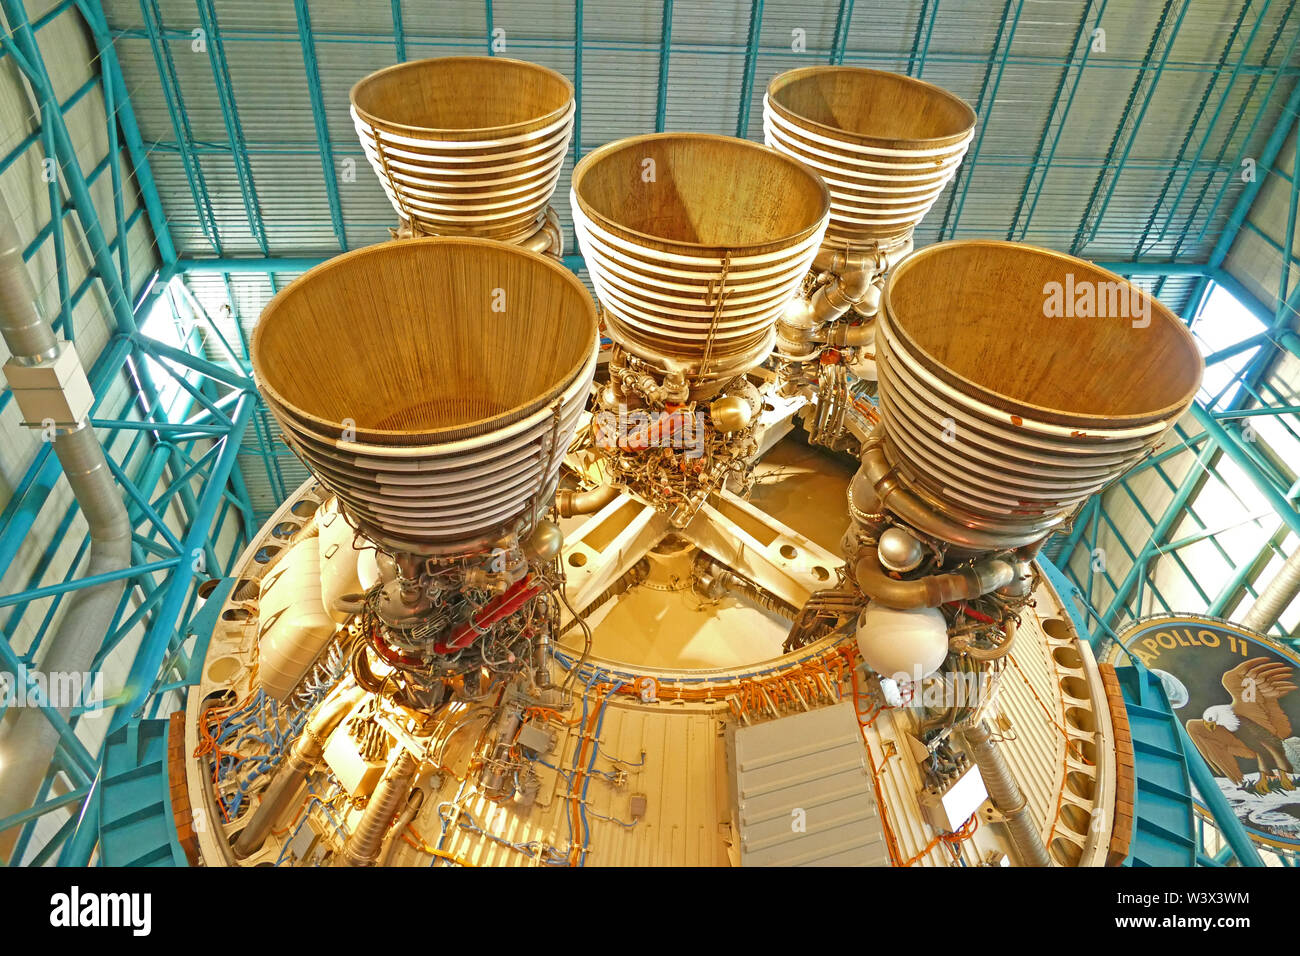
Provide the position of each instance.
(885, 144)
(466, 145)
(694, 243)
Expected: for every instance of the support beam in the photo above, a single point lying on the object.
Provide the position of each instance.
(1265, 159)
(1130, 124)
(921, 40)
(1213, 128)
(1173, 513)
(308, 44)
(665, 54)
(751, 63)
(1232, 446)
(840, 40)
(124, 114)
(171, 88)
(145, 669)
(1057, 114)
(230, 116)
(983, 110)
(399, 31)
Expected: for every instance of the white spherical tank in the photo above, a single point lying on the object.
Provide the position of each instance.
(906, 645)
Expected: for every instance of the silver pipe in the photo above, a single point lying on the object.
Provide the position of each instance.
(1276, 597)
(571, 503)
(301, 759)
(878, 479)
(832, 300)
(548, 239)
(362, 848)
(72, 648)
(1006, 796)
(765, 599)
(987, 655)
(412, 809)
(964, 584)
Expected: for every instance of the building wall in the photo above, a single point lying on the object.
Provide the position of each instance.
(45, 556)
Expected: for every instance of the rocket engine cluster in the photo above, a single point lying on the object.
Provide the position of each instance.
(439, 385)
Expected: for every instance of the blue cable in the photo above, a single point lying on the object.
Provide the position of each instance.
(582, 801)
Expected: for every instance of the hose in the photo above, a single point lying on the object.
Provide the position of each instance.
(301, 759)
(362, 847)
(876, 480)
(413, 804)
(1006, 796)
(1276, 597)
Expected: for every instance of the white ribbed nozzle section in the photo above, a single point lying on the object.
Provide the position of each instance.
(432, 384)
(466, 145)
(1016, 381)
(694, 244)
(885, 144)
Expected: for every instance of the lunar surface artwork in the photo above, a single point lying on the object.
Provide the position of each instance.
(1238, 696)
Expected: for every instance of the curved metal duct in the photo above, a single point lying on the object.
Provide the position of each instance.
(432, 384)
(694, 244)
(71, 649)
(885, 144)
(1002, 414)
(466, 145)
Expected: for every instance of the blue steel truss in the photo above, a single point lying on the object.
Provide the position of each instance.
(149, 445)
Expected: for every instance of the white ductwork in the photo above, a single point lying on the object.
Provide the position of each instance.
(50, 389)
(1276, 597)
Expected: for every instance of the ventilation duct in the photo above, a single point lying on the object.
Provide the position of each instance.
(50, 388)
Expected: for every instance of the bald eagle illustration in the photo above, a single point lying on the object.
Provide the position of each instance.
(1252, 727)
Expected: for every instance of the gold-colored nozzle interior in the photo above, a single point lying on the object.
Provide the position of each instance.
(489, 95)
(1016, 322)
(422, 341)
(700, 190)
(872, 105)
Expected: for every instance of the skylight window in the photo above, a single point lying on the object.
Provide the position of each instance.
(166, 324)
(1221, 323)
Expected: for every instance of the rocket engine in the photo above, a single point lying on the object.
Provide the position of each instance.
(412, 614)
(986, 447)
(886, 146)
(694, 244)
(432, 386)
(468, 146)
